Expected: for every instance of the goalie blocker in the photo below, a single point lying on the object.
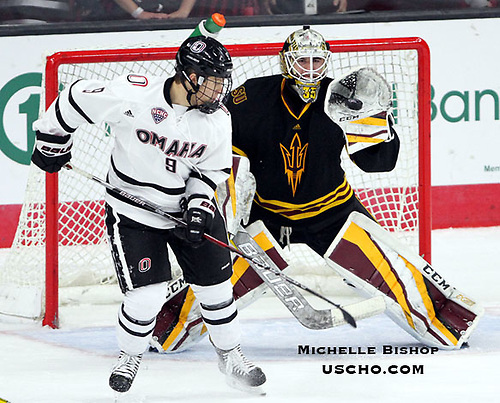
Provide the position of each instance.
(418, 299)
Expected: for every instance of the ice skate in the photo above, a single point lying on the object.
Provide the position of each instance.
(240, 373)
(124, 372)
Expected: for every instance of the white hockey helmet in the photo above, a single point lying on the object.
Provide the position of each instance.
(304, 58)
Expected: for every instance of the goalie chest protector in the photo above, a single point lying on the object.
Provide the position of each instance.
(294, 150)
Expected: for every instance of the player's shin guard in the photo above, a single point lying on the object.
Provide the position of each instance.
(418, 299)
(137, 317)
(218, 310)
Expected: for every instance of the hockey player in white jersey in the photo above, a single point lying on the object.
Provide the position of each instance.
(172, 147)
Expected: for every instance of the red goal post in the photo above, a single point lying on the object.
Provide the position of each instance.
(400, 202)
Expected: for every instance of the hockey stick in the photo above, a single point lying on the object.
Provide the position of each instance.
(153, 208)
(293, 300)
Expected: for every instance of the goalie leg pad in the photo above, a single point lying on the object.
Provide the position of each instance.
(235, 195)
(179, 324)
(248, 286)
(418, 299)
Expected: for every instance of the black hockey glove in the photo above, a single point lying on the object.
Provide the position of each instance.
(51, 151)
(199, 217)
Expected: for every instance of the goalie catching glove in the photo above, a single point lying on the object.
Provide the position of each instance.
(52, 152)
(359, 94)
(360, 104)
(198, 217)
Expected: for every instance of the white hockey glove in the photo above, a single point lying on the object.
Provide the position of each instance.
(359, 94)
(51, 151)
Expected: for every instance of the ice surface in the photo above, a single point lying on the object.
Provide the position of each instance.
(72, 364)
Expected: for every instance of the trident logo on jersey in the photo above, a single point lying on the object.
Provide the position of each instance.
(294, 160)
(159, 115)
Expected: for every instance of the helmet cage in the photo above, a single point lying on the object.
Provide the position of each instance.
(212, 93)
(307, 67)
(304, 58)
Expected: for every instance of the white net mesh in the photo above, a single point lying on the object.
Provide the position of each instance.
(84, 259)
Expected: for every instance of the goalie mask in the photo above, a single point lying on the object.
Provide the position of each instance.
(304, 59)
(211, 62)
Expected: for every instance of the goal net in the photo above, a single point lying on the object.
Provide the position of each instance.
(60, 244)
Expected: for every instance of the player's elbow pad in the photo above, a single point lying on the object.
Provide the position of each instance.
(52, 152)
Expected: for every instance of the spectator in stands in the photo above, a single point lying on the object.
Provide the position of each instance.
(339, 6)
(144, 10)
(95, 10)
(275, 6)
(205, 8)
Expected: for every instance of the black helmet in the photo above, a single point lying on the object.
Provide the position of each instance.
(206, 56)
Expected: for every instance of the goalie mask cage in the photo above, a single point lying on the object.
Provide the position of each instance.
(60, 242)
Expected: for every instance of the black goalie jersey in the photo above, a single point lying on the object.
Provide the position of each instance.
(295, 152)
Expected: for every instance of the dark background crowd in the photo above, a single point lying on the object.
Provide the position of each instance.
(46, 11)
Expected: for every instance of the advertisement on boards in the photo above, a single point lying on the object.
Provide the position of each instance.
(465, 133)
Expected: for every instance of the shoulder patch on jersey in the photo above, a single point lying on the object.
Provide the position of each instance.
(239, 95)
(159, 114)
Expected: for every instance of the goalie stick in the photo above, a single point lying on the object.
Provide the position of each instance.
(324, 320)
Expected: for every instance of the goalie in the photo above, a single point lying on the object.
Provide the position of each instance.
(292, 128)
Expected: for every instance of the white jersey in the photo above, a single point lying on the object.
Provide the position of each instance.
(162, 153)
